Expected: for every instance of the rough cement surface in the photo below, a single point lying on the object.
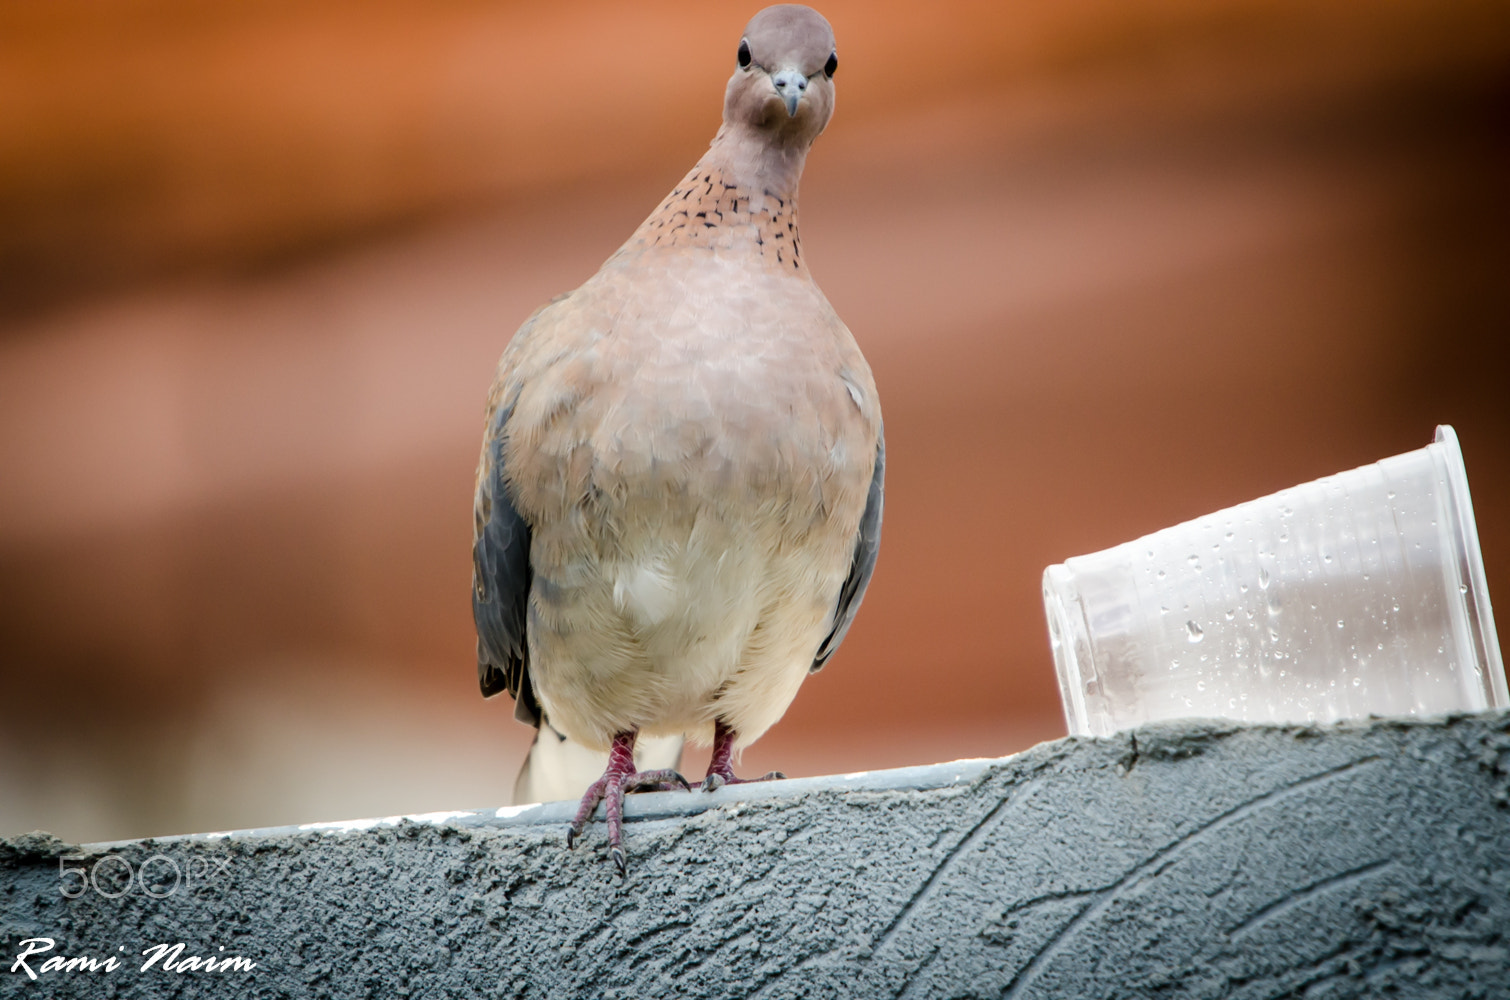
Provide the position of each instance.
(1179, 861)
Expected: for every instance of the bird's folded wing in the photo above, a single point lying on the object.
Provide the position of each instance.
(867, 546)
(501, 577)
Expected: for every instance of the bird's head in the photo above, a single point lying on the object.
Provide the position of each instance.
(783, 85)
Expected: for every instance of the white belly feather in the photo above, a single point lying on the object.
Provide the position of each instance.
(695, 619)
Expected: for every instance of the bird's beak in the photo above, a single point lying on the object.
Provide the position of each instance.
(790, 86)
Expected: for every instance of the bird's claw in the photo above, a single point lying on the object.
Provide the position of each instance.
(717, 779)
(610, 790)
(596, 792)
(655, 781)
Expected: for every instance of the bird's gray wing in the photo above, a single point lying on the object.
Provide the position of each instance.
(863, 564)
(501, 577)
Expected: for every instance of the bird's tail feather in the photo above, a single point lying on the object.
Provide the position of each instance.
(559, 768)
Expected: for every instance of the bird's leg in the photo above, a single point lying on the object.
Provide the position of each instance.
(721, 767)
(618, 778)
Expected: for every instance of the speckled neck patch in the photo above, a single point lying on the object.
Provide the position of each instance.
(706, 211)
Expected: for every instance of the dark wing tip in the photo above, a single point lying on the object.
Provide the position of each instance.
(491, 679)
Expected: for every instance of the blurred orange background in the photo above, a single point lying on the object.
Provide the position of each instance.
(1115, 264)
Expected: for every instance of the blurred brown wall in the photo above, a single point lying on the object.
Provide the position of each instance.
(1115, 265)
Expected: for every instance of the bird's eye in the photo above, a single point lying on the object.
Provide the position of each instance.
(832, 64)
(744, 55)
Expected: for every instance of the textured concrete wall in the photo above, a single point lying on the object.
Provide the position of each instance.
(1179, 861)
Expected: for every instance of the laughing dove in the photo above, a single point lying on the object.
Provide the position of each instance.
(678, 505)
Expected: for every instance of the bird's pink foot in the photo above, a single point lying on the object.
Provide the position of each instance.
(721, 767)
(619, 779)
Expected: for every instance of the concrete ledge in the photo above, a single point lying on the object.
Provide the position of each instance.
(1178, 861)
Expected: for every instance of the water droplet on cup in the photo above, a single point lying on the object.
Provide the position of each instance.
(1196, 633)
(1230, 614)
(1339, 623)
(1263, 579)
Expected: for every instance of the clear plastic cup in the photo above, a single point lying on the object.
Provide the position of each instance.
(1358, 594)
